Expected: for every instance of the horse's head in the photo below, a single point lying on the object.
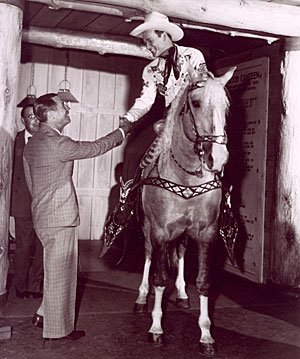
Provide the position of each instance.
(204, 119)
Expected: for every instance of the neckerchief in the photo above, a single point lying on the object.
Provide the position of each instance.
(171, 59)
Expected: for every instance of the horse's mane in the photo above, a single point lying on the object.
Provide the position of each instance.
(214, 95)
(173, 112)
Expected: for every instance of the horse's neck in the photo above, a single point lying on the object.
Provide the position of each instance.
(183, 150)
(182, 146)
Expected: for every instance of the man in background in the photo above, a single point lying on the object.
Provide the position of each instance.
(28, 254)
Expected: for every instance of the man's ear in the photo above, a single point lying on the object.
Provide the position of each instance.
(23, 121)
(50, 115)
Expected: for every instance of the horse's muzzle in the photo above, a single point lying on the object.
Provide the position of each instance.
(216, 159)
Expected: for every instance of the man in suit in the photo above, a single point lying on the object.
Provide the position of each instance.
(28, 255)
(48, 161)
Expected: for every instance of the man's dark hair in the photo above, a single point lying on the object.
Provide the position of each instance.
(159, 33)
(43, 104)
(23, 110)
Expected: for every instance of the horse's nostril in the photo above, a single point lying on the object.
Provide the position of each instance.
(210, 161)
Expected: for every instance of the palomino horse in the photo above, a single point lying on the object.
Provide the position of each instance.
(181, 197)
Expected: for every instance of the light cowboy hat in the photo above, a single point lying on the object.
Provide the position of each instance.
(158, 21)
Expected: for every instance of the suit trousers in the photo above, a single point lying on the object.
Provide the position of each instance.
(28, 257)
(60, 280)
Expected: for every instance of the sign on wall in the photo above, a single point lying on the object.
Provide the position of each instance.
(246, 169)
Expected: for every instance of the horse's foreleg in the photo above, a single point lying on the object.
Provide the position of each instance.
(182, 300)
(140, 305)
(207, 344)
(206, 340)
(155, 333)
(204, 321)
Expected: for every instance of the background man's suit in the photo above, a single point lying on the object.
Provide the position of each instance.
(49, 159)
(28, 256)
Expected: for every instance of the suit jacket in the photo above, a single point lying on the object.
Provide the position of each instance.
(48, 163)
(20, 195)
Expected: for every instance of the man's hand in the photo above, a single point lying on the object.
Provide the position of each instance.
(125, 125)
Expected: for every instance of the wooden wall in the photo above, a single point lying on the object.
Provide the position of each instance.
(105, 87)
(274, 111)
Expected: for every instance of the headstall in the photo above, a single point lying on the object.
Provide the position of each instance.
(200, 139)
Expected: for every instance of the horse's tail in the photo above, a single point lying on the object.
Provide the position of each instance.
(175, 250)
(172, 257)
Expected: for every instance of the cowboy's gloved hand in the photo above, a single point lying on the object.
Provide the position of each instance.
(125, 125)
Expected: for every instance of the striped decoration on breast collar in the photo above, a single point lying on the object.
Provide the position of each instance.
(185, 192)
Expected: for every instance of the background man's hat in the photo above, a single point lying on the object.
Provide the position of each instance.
(158, 21)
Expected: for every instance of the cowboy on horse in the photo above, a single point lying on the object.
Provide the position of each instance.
(165, 75)
(178, 183)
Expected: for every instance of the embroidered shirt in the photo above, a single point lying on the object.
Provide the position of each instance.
(153, 80)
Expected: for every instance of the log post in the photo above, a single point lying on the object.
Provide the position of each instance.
(11, 17)
(285, 253)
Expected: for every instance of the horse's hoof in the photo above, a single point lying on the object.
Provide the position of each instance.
(157, 339)
(140, 308)
(208, 349)
(183, 303)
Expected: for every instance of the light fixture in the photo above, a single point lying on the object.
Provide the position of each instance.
(64, 92)
(31, 91)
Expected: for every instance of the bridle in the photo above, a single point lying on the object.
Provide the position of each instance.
(199, 139)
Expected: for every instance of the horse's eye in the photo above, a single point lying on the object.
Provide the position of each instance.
(196, 104)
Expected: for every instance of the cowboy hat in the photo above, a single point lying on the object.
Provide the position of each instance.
(158, 21)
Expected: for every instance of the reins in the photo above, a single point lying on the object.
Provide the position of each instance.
(192, 173)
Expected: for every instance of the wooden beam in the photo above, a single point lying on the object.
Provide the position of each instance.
(286, 2)
(231, 33)
(285, 254)
(91, 7)
(102, 44)
(252, 15)
(130, 14)
(18, 3)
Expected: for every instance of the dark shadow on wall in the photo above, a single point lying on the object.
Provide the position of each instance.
(141, 138)
(130, 242)
(236, 168)
(234, 172)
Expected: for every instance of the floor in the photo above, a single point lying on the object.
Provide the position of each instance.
(249, 321)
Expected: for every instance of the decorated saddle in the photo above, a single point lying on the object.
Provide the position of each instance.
(130, 200)
(130, 195)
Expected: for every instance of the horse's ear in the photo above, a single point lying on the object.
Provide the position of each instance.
(192, 73)
(227, 76)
